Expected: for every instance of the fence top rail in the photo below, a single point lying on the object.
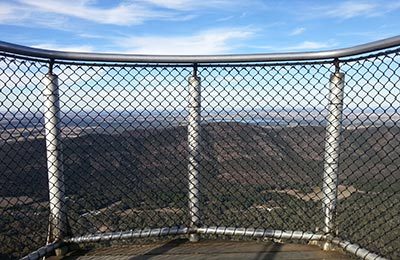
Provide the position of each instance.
(137, 58)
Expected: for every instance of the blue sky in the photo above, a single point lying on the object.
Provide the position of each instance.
(196, 26)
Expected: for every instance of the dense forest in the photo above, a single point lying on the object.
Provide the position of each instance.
(251, 176)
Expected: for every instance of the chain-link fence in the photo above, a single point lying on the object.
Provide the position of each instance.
(254, 149)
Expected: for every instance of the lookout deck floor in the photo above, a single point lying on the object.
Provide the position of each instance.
(208, 249)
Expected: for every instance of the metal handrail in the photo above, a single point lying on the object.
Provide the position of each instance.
(112, 57)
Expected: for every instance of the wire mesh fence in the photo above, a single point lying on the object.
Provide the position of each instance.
(369, 166)
(128, 159)
(24, 189)
(256, 150)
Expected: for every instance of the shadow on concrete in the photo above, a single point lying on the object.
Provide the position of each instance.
(160, 250)
(269, 252)
(207, 249)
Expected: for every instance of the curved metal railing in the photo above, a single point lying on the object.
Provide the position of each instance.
(111, 57)
(263, 118)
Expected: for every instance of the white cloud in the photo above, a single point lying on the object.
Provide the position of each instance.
(351, 9)
(122, 14)
(307, 45)
(226, 18)
(93, 90)
(23, 15)
(173, 4)
(9, 12)
(367, 35)
(304, 46)
(298, 31)
(185, 5)
(214, 41)
(73, 48)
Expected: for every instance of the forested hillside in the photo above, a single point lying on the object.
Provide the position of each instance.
(251, 176)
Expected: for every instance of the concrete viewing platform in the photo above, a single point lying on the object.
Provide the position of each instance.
(207, 249)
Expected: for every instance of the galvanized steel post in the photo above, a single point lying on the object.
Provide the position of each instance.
(331, 164)
(194, 153)
(51, 111)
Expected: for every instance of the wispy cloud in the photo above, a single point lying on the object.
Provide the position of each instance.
(26, 16)
(303, 46)
(368, 35)
(186, 5)
(226, 18)
(74, 48)
(12, 12)
(309, 45)
(298, 31)
(214, 41)
(170, 4)
(125, 13)
(351, 9)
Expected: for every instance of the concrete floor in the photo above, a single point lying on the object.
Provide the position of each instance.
(207, 249)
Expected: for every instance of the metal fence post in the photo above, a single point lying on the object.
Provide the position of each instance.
(57, 225)
(331, 164)
(194, 152)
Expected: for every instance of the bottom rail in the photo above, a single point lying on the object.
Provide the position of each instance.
(208, 230)
(138, 233)
(355, 249)
(252, 232)
(43, 251)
